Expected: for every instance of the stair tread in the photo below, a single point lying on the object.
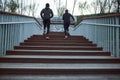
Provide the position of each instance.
(56, 40)
(61, 46)
(58, 66)
(62, 77)
(58, 57)
(58, 51)
(26, 47)
(54, 43)
(75, 55)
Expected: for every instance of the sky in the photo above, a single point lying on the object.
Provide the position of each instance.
(41, 5)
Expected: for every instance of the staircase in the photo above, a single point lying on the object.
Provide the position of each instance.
(75, 58)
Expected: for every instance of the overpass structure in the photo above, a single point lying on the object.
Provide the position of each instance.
(92, 52)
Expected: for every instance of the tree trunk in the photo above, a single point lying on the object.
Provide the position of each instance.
(74, 6)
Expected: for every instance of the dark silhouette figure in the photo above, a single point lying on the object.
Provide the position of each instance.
(46, 14)
(66, 19)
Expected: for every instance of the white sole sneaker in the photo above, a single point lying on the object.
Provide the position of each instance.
(47, 38)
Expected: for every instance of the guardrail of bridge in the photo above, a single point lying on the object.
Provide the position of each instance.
(15, 28)
(103, 30)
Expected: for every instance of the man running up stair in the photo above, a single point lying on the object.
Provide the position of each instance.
(66, 19)
(46, 14)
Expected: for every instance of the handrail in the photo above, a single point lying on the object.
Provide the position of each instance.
(15, 14)
(98, 24)
(101, 16)
(97, 16)
(17, 22)
(103, 30)
(40, 25)
(15, 28)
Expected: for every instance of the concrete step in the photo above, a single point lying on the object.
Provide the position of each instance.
(46, 68)
(54, 35)
(58, 52)
(74, 56)
(57, 59)
(61, 77)
(57, 48)
(56, 44)
(56, 38)
(80, 36)
(61, 41)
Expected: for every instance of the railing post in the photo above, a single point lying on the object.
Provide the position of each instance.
(0, 39)
(117, 42)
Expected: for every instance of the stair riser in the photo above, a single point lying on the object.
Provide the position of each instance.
(69, 39)
(59, 36)
(56, 44)
(51, 48)
(59, 42)
(59, 71)
(59, 53)
(54, 41)
(39, 60)
(54, 35)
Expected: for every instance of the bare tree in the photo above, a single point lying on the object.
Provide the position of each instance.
(83, 6)
(31, 9)
(4, 5)
(103, 6)
(95, 6)
(74, 6)
(61, 10)
(12, 6)
(60, 7)
(110, 4)
(118, 6)
(0, 4)
(66, 4)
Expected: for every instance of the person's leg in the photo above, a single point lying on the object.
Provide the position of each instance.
(44, 23)
(65, 29)
(48, 26)
(48, 29)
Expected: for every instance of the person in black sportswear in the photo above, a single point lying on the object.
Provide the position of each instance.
(66, 19)
(46, 15)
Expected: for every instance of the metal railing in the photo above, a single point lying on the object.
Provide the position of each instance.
(102, 30)
(16, 28)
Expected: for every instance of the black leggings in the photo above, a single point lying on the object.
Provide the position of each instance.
(46, 24)
(66, 28)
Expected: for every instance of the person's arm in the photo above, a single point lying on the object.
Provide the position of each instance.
(63, 17)
(72, 17)
(41, 14)
(73, 22)
(51, 14)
